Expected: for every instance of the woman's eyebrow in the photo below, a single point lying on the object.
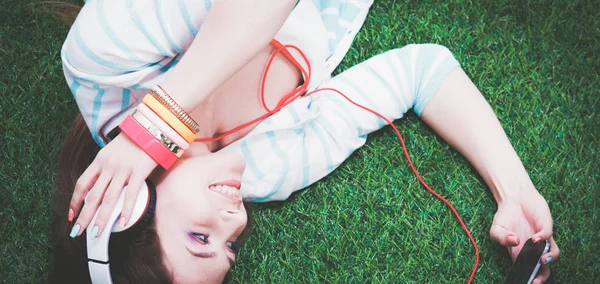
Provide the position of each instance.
(203, 254)
(209, 255)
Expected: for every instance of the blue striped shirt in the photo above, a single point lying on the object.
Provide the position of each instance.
(117, 49)
(113, 55)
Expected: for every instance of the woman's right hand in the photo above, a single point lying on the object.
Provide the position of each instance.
(518, 219)
(118, 164)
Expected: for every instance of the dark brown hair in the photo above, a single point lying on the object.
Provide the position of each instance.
(135, 257)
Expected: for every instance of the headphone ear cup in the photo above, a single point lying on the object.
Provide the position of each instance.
(148, 215)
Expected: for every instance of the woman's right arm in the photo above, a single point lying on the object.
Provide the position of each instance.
(233, 33)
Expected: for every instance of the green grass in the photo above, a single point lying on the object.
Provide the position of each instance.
(537, 63)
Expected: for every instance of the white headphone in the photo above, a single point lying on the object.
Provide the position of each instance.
(97, 249)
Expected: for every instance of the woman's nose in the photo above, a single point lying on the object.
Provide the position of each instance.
(234, 216)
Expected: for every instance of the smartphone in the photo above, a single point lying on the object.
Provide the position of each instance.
(528, 262)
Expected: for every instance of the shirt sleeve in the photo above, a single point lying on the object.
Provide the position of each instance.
(116, 50)
(391, 84)
(312, 136)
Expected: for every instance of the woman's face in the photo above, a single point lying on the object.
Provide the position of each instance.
(199, 216)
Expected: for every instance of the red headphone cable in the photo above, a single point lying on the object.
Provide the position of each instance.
(296, 93)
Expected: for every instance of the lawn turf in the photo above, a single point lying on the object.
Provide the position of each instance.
(536, 62)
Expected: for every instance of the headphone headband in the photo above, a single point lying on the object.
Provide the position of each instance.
(97, 249)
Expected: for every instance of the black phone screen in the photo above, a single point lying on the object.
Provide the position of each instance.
(526, 262)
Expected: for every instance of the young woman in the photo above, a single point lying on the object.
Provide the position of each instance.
(210, 57)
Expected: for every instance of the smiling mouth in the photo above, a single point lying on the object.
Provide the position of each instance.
(231, 183)
(229, 189)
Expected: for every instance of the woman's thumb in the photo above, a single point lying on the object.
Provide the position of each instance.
(504, 236)
(544, 234)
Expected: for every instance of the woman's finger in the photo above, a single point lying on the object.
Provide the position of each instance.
(504, 236)
(542, 275)
(546, 230)
(551, 255)
(109, 201)
(92, 201)
(133, 188)
(84, 183)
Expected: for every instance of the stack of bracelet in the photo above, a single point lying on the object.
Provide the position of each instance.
(161, 128)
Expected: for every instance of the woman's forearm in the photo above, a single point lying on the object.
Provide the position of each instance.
(233, 32)
(460, 114)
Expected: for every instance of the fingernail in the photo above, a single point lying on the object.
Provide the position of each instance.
(94, 232)
(71, 215)
(512, 240)
(123, 222)
(548, 260)
(537, 239)
(74, 231)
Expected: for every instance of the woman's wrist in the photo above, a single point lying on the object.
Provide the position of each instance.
(188, 96)
(509, 183)
(163, 97)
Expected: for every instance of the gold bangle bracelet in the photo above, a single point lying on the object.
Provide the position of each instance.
(164, 99)
(164, 139)
(159, 94)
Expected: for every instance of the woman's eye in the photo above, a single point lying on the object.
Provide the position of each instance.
(232, 246)
(202, 238)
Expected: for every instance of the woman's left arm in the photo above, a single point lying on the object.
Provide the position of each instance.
(232, 33)
(460, 114)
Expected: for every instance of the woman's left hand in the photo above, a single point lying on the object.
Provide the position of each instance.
(523, 217)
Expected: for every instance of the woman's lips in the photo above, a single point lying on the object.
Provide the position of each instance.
(231, 183)
(229, 189)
